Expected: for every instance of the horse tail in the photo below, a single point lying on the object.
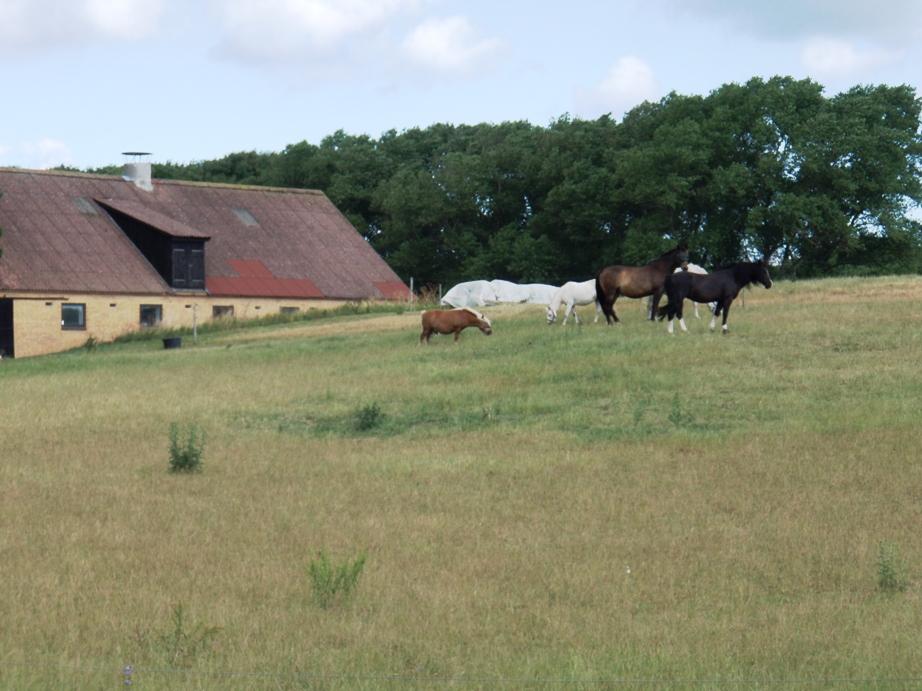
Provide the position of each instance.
(600, 296)
(662, 312)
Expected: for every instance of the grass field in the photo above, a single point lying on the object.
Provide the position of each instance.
(548, 507)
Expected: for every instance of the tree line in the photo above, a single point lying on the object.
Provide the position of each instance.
(770, 169)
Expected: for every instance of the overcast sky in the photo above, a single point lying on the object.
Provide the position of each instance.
(187, 80)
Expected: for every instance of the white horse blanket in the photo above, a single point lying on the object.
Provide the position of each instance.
(480, 293)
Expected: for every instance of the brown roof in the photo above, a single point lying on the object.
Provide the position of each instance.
(259, 242)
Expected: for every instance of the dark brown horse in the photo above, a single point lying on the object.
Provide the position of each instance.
(637, 282)
(452, 321)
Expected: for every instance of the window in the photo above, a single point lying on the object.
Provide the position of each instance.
(73, 316)
(151, 315)
(245, 217)
(222, 311)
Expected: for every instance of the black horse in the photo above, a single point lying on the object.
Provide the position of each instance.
(721, 287)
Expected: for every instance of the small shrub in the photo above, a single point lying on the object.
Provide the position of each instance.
(891, 570)
(368, 418)
(91, 344)
(333, 582)
(186, 457)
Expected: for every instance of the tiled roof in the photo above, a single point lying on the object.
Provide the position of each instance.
(259, 242)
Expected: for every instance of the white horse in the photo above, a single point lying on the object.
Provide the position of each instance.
(692, 269)
(572, 294)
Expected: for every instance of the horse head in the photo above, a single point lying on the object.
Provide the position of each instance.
(681, 257)
(482, 322)
(551, 316)
(761, 274)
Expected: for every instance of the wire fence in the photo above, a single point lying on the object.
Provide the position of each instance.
(129, 675)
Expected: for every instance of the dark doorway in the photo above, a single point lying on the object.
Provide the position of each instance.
(6, 328)
(188, 266)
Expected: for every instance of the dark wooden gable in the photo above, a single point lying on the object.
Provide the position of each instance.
(179, 260)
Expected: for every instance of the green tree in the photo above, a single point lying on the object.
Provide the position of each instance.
(770, 168)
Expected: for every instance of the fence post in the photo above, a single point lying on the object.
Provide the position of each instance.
(411, 293)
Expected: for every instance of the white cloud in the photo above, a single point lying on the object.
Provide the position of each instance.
(45, 153)
(284, 30)
(29, 24)
(881, 20)
(317, 39)
(451, 47)
(630, 82)
(834, 58)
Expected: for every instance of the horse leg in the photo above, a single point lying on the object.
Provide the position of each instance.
(697, 316)
(608, 308)
(613, 313)
(724, 328)
(457, 334)
(717, 311)
(657, 296)
(572, 308)
(598, 311)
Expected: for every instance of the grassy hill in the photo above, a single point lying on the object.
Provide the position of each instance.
(580, 503)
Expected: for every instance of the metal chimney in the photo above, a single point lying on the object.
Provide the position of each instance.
(137, 169)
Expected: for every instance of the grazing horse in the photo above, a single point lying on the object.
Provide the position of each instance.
(637, 282)
(572, 294)
(693, 269)
(452, 321)
(721, 287)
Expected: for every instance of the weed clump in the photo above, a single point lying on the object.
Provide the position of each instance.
(186, 456)
(333, 582)
(891, 570)
(368, 418)
(180, 643)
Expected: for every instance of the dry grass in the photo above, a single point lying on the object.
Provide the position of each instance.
(548, 503)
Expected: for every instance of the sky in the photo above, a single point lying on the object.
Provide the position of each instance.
(191, 80)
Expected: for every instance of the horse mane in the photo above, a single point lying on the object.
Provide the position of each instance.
(477, 314)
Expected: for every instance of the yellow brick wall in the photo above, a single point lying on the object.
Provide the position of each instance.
(37, 319)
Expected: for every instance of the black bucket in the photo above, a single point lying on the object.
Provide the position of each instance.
(170, 343)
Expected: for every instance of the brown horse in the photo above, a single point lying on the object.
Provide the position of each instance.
(637, 282)
(452, 321)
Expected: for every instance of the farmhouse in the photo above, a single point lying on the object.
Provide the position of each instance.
(98, 255)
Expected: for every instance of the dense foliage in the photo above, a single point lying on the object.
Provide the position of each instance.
(774, 169)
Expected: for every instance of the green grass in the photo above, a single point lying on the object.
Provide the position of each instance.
(575, 503)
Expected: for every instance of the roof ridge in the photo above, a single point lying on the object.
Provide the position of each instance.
(60, 173)
(161, 181)
(237, 186)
